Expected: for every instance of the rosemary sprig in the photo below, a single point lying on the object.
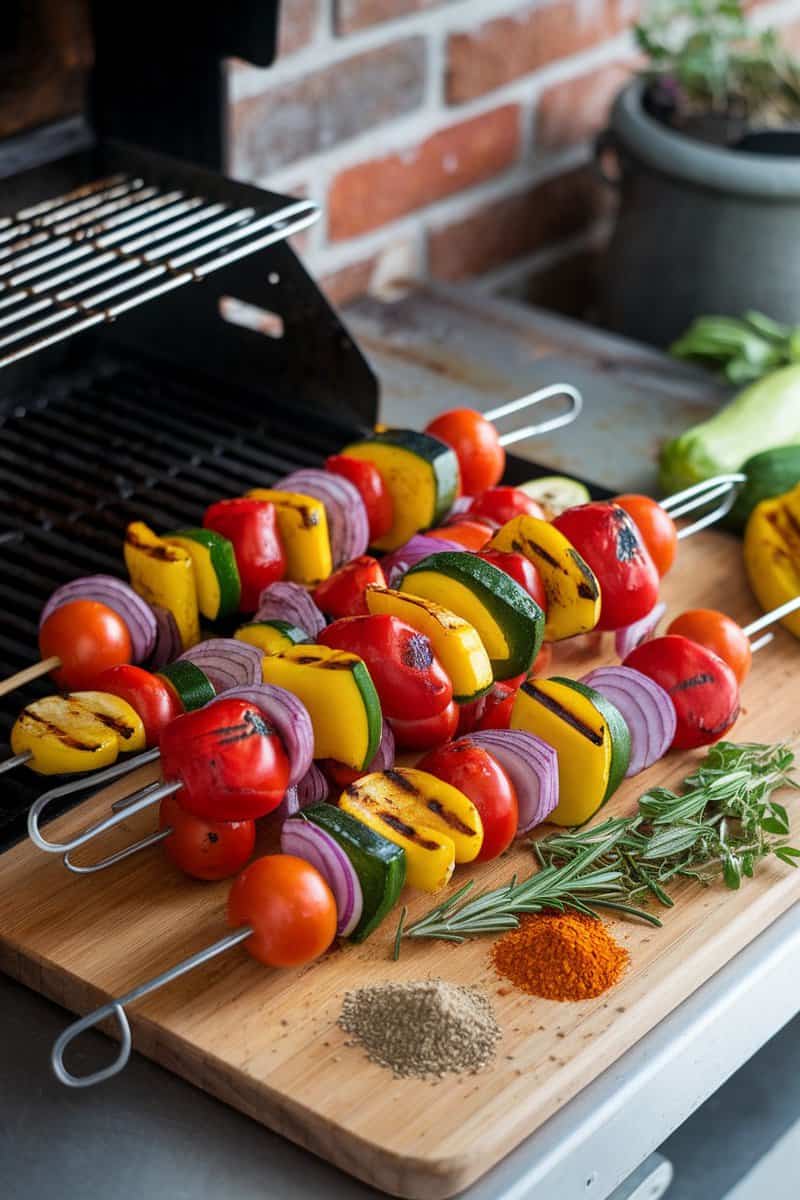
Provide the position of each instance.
(722, 823)
(578, 884)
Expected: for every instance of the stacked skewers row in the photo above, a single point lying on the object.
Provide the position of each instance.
(349, 657)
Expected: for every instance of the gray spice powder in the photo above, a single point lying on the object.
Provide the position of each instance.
(424, 1029)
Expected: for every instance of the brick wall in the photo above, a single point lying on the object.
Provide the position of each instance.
(442, 138)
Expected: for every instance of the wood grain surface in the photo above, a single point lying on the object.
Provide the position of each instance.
(267, 1042)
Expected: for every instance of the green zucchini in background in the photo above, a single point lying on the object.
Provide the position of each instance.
(379, 864)
(762, 417)
(770, 473)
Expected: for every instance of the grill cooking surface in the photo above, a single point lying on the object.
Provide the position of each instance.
(119, 441)
(86, 257)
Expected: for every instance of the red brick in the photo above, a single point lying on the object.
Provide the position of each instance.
(351, 15)
(292, 120)
(576, 109)
(502, 50)
(350, 282)
(516, 225)
(373, 193)
(297, 24)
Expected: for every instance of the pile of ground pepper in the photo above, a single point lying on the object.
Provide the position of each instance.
(560, 956)
(425, 1029)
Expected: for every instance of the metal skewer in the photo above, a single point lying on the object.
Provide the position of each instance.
(770, 618)
(545, 393)
(116, 1008)
(151, 794)
(698, 495)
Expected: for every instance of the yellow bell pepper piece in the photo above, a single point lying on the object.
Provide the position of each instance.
(573, 593)
(772, 554)
(303, 528)
(340, 696)
(63, 737)
(119, 716)
(273, 637)
(455, 642)
(163, 574)
(436, 824)
(581, 737)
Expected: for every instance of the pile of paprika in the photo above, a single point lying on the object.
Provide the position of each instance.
(560, 956)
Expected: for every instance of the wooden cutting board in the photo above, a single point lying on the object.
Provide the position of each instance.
(267, 1042)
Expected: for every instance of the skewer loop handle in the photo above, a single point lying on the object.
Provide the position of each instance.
(545, 393)
(700, 494)
(116, 1008)
(148, 796)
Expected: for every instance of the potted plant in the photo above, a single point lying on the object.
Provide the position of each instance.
(707, 142)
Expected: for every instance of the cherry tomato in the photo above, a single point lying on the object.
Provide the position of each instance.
(152, 698)
(481, 458)
(472, 535)
(425, 732)
(500, 504)
(205, 849)
(366, 477)
(408, 677)
(230, 761)
(520, 569)
(290, 907)
(719, 633)
(88, 637)
(480, 777)
(656, 527)
(343, 594)
(702, 687)
(606, 537)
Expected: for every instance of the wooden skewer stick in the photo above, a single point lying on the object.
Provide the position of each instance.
(29, 674)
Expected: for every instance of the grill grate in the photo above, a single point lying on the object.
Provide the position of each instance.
(119, 441)
(86, 257)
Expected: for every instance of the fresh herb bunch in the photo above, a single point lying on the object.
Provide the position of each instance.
(722, 823)
(744, 348)
(704, 56)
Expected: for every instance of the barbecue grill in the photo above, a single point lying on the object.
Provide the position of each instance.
(124, 391)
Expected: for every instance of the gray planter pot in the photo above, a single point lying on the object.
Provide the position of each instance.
(700, 229)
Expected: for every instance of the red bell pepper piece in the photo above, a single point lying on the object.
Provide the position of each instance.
(606, 537)
(408, 677)
(251, 526)
(500, 504)
(472, 535)
(229, 759)
(368, 481)
(522, 570)
(702, 687)
(424, 733)
(342, 594)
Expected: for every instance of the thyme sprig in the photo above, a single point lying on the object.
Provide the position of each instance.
(722, 823)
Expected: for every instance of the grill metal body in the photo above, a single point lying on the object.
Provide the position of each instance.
(124, 391)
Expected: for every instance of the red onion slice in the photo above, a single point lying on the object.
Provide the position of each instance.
(312, 788)
(168, 643)
(415, 549)
(289, 716)
(227, 662)
(532, 767)
(284, 601)
(316, 846)
(115, 594)
(631, 636)
(348, 524)
(385, 754)
(646, 708)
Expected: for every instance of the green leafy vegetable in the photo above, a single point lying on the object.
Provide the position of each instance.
(744, 348)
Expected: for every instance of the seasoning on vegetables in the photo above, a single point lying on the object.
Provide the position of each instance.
(560, 956)
(423, 1029)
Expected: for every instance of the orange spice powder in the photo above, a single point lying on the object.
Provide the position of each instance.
(560, 956)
